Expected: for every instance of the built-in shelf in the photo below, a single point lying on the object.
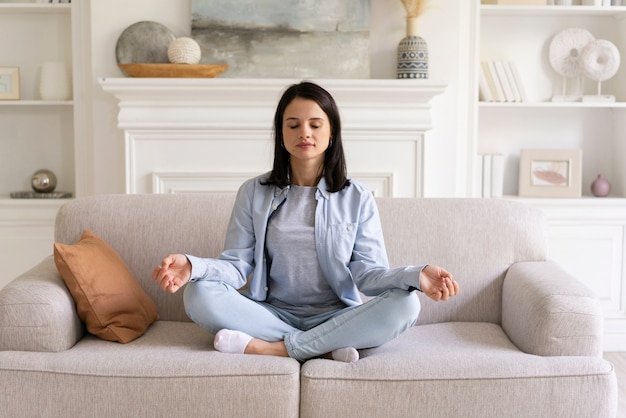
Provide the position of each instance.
(63, 8)
(37, 103)
(556, 105)
(495, 10)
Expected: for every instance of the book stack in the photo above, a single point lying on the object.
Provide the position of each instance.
(499, 81)
(490, 175)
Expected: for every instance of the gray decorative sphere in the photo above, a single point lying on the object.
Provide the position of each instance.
(43, 181)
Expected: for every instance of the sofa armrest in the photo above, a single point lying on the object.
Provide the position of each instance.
(547, 312)
(38, 313)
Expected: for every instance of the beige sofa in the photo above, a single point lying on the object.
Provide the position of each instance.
(523, 338)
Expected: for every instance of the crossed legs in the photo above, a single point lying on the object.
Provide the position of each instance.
(246, 326)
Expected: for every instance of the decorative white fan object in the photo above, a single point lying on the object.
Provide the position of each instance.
(564, 53)
(600, 61)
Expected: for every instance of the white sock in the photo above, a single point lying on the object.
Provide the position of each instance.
(229, 341)
(346, 354)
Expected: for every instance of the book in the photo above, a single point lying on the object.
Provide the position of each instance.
(518, 81)
(497, 175)
(483, 87)
(478, 175)
(490, 81)
(496, 81)
(512, 82)
(486, 175)
(504, 81)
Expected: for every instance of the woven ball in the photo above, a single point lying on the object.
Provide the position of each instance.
(184, 51)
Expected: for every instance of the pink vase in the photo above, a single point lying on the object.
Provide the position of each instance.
(600, 186)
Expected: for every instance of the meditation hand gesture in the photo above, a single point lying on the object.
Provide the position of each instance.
(437, 283)
(173, 273)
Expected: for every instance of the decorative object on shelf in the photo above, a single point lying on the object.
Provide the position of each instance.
(550, 173)
(9, 83)
(43, 181)
(144, 42)
(173, 70)
(35, 195)
(515, 2)
(54, 82)
(184, 50)
(413, 49)
(600, 187)
(601, 60)
(564, 54)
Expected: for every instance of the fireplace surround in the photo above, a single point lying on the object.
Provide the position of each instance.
(209, 135)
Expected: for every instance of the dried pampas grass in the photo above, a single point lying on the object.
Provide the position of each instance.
(414, 8)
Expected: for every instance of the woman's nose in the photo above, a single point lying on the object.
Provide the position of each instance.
(305, 132)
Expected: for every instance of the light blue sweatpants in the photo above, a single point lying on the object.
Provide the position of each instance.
(215, 305)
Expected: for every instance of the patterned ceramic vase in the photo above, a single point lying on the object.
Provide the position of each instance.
(412, 53)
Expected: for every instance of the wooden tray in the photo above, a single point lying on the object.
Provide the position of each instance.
(173, 70)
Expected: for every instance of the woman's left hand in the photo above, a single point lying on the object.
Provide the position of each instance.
(437, 283)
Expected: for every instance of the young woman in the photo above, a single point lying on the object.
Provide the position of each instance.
(306, 240)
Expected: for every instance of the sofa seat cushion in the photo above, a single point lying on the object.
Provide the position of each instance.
(172, 370)
(456, 369)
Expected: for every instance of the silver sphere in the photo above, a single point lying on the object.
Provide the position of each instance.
(43, 181)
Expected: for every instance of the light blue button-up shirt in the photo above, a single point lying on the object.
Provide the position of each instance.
(348, 239)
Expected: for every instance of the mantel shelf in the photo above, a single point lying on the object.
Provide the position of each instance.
(225, 90)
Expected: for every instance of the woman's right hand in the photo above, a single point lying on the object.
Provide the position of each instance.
(173, 273)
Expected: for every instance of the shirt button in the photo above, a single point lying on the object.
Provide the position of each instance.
(274, 207)
(266, 288)
(349, 227)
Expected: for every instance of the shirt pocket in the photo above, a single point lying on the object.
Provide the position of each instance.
(342, 240)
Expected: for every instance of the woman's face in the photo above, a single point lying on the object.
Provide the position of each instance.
(306, 130)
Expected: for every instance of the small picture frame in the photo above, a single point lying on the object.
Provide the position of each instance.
(9, 83)
(550, 173)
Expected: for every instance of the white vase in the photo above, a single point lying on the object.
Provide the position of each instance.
(55, 81)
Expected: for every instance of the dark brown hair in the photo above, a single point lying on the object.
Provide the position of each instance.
(334, 170)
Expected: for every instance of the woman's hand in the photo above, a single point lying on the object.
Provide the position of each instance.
(173, 273)
(437, 283)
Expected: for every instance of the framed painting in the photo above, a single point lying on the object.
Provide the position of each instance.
(284, 38)
(9, 83)
(550, 173)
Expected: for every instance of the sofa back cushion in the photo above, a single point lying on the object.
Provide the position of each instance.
(475, 239)
(145, 228)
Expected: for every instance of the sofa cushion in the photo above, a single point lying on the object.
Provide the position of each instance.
(108, 298)
(458, 369)
(171, 371)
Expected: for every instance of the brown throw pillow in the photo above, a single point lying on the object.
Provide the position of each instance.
(108, 298)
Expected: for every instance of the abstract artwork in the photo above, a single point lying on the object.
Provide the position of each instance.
(550, 173)
(284, 38)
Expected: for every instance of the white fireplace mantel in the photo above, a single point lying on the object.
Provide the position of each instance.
(185, 135)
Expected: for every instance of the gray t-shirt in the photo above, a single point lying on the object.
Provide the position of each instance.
(296, 282)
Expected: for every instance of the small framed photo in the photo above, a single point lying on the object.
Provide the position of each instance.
(550, 173)
(9, 83)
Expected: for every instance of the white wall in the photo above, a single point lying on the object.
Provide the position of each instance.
(444, 26)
